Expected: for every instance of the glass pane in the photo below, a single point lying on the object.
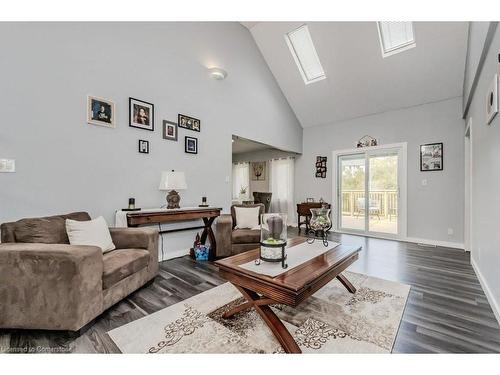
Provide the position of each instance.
(383, 196)
(352, 191)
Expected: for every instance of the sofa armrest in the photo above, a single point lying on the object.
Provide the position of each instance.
(138, 238)
(49, 286)
(223, 235)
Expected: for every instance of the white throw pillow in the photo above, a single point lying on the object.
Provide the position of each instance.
(247, 217)
(93, 233)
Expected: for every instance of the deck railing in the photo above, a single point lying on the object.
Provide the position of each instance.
(382, 202)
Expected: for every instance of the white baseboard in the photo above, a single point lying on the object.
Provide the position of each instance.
(495, 306)
(453, 245)
(173, 254)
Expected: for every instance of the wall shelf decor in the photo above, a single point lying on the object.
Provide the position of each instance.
(366, 141)
(321, 166)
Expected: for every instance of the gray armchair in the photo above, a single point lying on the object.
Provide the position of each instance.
(264, 198)
(232, 241)
(46, 283)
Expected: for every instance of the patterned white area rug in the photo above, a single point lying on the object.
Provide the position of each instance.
(330, 321)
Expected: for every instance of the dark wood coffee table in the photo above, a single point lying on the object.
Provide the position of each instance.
(290, 288)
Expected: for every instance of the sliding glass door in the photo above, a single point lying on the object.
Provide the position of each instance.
(368, 186)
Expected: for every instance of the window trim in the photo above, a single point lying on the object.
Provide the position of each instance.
(295, 56)
(398, 49)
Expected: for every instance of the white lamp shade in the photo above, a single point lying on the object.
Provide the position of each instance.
(173, 181)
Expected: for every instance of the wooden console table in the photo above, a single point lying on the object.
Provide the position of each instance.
(207, 214)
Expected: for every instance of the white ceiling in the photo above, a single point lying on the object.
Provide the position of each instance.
(359, 80)
(242, 145)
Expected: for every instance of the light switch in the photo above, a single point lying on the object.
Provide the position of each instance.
(7, 165)
(424, 182)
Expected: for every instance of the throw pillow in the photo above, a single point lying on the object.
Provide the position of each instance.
(93, 233)
(247, 217)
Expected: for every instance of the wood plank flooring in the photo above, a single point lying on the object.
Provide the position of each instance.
(447, 311)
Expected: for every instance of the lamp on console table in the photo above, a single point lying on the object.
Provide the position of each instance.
(172, 181)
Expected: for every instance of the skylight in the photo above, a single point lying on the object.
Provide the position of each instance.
(395, 37)
(302, 48)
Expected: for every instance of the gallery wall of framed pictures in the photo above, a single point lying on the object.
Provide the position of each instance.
(141, 115)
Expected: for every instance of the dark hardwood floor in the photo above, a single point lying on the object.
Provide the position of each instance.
(447, 311)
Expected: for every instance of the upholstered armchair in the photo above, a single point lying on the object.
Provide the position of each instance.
(262, 197)
(232, 241)
(46, 283)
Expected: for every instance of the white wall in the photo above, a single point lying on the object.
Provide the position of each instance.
(485, 213)
(63, 164)
(432, 209)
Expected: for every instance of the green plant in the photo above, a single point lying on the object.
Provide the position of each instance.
(243, 190)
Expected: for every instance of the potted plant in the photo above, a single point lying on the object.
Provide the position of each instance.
(243, 192)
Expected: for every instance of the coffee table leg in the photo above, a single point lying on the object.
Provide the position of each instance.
(343, 280)
(267, 314)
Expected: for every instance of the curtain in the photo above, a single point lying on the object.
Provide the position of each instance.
(281, 183)
(241, 179)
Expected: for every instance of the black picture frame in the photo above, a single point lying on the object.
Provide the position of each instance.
(146, 105)
(431, 157)
(169, 124)
(321, 166)
(143, 146)
(188, 141)
(188, 122)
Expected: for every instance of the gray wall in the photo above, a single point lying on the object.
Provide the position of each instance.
(432, 209)
(485, 233)
(64, 164)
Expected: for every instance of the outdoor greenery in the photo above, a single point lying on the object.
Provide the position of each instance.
(383, 172)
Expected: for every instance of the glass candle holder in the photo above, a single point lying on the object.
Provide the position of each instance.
(319, 225)
(273, 237)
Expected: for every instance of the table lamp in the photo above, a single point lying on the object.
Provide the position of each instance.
(172, 181)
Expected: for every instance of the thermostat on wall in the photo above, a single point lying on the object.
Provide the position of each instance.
(7, 165)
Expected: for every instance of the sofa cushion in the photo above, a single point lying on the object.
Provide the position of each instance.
(246, 236)
(50, 229)
(121, 263)
(92, 233)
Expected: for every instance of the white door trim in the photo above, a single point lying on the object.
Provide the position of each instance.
(402, 185)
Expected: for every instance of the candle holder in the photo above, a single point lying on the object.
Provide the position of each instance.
(273, 236)
(319, 225)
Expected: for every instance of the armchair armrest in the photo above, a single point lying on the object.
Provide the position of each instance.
(138, 238)
(223, 235)
(49, 286)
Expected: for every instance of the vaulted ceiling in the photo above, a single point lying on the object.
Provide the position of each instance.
(359, 80)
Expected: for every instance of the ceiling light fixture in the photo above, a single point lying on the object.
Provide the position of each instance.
(217, 73)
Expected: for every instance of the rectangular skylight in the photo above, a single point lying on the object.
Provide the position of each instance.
(302, 48)
(395, 37)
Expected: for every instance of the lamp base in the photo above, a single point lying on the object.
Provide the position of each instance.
(173, 199)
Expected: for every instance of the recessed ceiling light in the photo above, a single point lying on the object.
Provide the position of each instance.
(301, 46)
(217, 73)
(395, 37)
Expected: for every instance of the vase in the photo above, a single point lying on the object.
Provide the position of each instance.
(273, 237)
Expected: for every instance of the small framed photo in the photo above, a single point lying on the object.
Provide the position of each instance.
(492, 100)
(431, 157)
(100, 112)
(188, 122)
(309, 200)
(170, 130)
(141, 114)
(191, 145)
(143, 146)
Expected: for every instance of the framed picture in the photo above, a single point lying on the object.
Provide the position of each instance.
(141, 114)
(321, 166)
(188, 122)
(191, 145)
(143, 146)
(431, 157)
(100, 112)
(492, 100)
(170, 130)
(259, 171)
(309, 200)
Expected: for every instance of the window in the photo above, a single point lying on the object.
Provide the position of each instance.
(395, 37)
(302, 48)
(241, 180)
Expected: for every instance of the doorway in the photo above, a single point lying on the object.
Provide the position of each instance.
(370, 191)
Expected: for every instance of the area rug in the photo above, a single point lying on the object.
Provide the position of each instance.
(331, 321)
